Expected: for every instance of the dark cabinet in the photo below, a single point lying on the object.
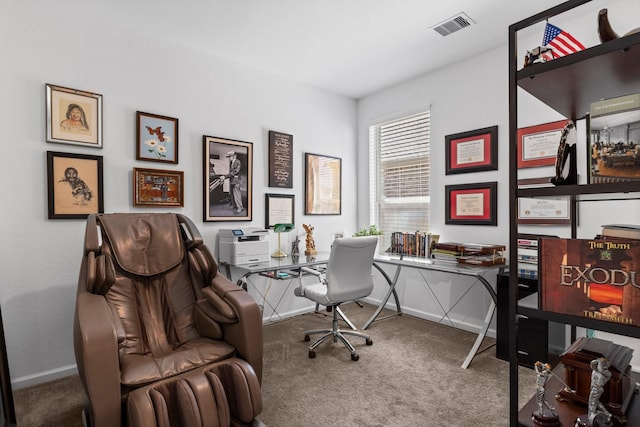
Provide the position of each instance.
(538, 339)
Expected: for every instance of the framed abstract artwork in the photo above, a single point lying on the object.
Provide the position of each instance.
(323, 185)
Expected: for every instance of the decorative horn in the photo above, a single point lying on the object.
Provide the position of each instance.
(605, 31)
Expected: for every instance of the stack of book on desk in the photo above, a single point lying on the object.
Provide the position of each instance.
(482, 254)
(470, 253)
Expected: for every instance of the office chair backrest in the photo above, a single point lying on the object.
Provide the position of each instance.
(348, 274)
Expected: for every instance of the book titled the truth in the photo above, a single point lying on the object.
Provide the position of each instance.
(596, 279)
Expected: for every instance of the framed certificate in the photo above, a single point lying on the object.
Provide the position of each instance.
(543, 211)
(538, 145)
(471, 204)
(473, 151)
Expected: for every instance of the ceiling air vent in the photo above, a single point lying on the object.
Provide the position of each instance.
(453, 24)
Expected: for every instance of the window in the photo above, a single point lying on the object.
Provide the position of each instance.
(399, 168)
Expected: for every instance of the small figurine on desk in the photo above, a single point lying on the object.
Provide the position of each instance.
(545, 415)
(311, 245)
(295, 250)
(597, 415)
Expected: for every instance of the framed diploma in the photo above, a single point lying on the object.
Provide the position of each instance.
(538, 145)
(471, 204)
(473, 151)
(543, 211)
(279, 209)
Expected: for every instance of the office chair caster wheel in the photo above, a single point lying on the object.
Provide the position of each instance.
(355, 357)
(369, 342)
(306, 338)
(312, 354)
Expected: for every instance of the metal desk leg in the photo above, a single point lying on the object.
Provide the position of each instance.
(392, 290)
(481, 335)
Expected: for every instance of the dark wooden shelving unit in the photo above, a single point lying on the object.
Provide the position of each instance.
(568, 85)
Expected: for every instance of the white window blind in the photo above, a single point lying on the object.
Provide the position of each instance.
(399, 167)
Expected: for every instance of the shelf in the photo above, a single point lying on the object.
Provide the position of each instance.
(528, 306)
(569, 411)
(572, 190)
(571, 83)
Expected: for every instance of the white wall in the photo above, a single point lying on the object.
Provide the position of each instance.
(40, 258)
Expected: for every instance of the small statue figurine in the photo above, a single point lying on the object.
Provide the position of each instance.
(295, 250)
(545, 415)
(311, 245)
(597, 415)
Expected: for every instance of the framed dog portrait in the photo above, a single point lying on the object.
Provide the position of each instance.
(74, 185)
(73, 116)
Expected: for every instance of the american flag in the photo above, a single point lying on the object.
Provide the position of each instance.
(560, 41)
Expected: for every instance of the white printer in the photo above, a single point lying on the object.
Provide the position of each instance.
(243, 245)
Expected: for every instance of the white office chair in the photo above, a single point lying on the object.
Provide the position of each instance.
(347, 278)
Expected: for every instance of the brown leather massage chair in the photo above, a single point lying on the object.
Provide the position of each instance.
(161, 337)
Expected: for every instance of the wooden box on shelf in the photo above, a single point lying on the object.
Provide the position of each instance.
(577, 359)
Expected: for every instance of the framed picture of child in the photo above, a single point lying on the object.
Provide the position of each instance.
(73, 116)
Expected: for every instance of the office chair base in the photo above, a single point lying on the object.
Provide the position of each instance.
(337, 335)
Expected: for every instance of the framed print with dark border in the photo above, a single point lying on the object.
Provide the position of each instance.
(614, 140)
(73, 116)
(473, 151)
(471, 204)
(155, 187)
(279, 209)
(538, 145)
(74, 185)
(323, 185)
(156, 138)
(544, 211)
(228, 179)
(280, 160)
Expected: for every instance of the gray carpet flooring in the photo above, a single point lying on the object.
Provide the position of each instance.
(410, 376)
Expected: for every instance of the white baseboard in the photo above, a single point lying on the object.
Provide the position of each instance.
(43, 377)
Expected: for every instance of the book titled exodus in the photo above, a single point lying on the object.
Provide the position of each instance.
(596, 279)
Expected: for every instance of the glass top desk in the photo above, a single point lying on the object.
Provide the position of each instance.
(480, 273)
(295, 264)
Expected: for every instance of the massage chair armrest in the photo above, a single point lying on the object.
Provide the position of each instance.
(96, 350)
(246, 333)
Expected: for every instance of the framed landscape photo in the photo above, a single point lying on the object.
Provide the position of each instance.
(73, 116)
(156, 138)
(538, 145)
(473, 151)
(74, 185)
(471, 204)
(323, 185)
(155, 187)
(228, 179)
(279, 209)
